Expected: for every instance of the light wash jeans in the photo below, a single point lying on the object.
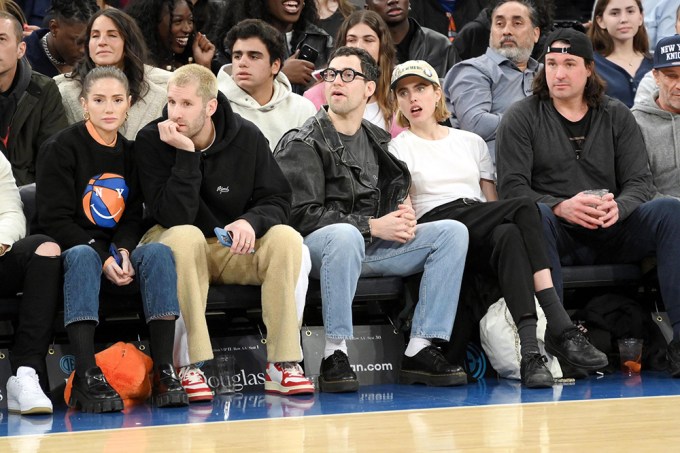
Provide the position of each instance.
(340, 256)
(154, 270)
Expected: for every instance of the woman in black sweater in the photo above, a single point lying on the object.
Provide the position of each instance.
(88, 198)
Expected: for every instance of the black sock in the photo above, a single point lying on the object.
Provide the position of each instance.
(526, 328)
(162, 337)
(81, 337)
(555, 314)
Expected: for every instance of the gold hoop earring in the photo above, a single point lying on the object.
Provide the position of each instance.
(127, 115)
(86, 115)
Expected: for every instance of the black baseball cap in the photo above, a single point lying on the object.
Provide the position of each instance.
(579, 43)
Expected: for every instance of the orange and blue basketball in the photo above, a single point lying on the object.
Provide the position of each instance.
(104, 199)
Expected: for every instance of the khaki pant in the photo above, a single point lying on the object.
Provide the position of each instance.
(275, 266)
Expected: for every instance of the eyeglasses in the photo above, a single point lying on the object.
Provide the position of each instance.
(347, 74)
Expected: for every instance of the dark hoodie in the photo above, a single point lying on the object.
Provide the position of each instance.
(236, 178)
(31, 111)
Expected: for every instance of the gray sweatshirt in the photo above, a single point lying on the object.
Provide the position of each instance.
(661, 133)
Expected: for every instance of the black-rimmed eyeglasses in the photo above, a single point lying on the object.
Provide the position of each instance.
(346, 75)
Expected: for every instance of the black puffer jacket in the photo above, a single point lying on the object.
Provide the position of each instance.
(432, 47)
(329, 186)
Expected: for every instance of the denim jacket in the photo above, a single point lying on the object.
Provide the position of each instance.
(329, 186)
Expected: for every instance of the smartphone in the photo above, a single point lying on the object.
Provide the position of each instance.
(223, 236)
(113, 250)
(308, 53)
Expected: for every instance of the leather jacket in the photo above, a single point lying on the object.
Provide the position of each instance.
(329, 186)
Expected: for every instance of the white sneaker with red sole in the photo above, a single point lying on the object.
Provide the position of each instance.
(195, 384)
(286, 378)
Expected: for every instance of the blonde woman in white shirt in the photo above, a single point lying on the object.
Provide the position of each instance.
(453, 178)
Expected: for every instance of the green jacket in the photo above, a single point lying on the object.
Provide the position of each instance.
(38, 115)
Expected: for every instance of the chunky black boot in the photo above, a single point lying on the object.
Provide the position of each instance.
(167, 388)
(429, 367)
(92, 393)
(336, 375)
(573, 347)
(534, 373)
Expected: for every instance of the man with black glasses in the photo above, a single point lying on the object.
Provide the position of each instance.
(350, 203)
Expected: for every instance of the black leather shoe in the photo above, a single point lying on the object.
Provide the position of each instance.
(574, 348)
(534, 373)
(429, 367)
(673, 356)
(336, 375)
(167, 388)
(92, 393)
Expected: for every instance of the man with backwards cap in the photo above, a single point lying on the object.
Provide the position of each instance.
(350, 202)
(658, 115)
(569, 137)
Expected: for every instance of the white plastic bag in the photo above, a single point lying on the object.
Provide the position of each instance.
(500, 340)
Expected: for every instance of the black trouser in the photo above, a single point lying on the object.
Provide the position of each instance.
(39, 278)
(507, 237)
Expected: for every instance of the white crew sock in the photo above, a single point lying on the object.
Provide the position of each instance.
(415, 345)
(332, 345)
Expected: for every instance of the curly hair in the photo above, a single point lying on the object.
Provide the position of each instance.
(148, 14)
(256, 28)
(604, 44)
(386, 58)
(134, 52)
(237, 10)
(78, 11)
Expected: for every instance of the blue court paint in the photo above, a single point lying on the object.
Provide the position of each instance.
(376, 398)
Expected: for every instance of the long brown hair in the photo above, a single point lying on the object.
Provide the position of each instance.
(604, 44)
(386, 60)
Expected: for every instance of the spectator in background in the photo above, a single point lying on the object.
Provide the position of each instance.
(621, 46)
(89, 200)
(254, 84)
(661, 19)
(366, 30)
(332, 13)
(202, 166)
(658, 115)
(350, 201)
(30, 266)
(448, 17)
(473, 39)
(479, 91)
(648, 86)
(295, 20)
(30, 103)
(112, 38)
(414, 42)
(56, 49)
(168, 29)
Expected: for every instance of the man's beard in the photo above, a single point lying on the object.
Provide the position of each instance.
(515, 54)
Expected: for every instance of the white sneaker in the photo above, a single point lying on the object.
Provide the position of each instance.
(24, 395)
(286, 378)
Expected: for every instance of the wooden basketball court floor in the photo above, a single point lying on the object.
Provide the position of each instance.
(611, 413)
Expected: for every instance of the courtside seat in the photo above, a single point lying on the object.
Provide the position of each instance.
(601, 275)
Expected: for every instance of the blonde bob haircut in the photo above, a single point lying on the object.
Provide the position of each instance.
(441, 113)
(195, 73)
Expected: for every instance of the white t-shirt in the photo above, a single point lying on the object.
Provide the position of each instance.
(443, 170)
(374, 115)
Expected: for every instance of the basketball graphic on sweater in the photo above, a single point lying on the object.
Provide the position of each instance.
(104, 199)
